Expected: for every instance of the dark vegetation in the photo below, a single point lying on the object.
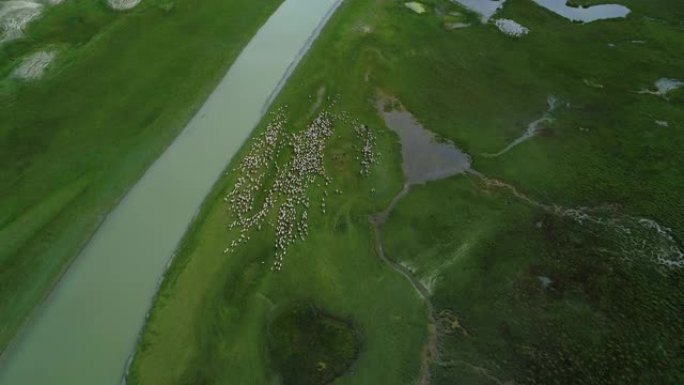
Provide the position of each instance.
(310, 347)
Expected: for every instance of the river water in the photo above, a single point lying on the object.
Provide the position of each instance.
(85, 331)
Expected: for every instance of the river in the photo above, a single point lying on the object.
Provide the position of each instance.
(85, 331)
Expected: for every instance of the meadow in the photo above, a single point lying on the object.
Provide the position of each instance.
(523, 288)
(122, 86)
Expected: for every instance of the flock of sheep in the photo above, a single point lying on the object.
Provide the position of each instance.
(264, 187)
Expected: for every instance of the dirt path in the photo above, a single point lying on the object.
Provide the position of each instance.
(430, 353)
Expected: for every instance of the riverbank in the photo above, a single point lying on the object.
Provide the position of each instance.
(131, 250)
(74, 141)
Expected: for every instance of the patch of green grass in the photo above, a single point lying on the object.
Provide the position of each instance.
(123, 85)
(308, 346)
(599, 319)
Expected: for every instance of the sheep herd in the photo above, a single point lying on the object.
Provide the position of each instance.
(268, 194)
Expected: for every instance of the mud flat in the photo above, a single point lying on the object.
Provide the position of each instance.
(85, 331)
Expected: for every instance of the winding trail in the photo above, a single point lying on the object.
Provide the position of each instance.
(431, 353)
(424, 159)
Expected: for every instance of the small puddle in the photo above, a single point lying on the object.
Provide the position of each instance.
(584, 14)
(485, 8)
(424, 158)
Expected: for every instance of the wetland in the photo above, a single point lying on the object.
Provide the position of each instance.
(479, 211)
(439, 192)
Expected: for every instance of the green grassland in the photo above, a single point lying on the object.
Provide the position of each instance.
(601, 319)
(122, 86)
(483, 251)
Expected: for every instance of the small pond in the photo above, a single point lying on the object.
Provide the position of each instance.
(584, 14)
(485, 8)
(424, 158)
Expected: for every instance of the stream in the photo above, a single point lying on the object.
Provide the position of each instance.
(424, 159)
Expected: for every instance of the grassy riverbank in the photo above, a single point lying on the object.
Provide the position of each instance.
(121, 87)
(520, 286)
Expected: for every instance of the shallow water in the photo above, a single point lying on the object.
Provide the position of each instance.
(664, 86)
(85, 331)
(485, 8)
(424, 158)
(585, 15)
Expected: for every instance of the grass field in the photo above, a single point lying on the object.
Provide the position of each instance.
(522, 291)
(121, 87)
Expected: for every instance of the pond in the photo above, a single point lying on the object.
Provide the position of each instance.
(584, 14)
(424, 158)
(487, 8)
